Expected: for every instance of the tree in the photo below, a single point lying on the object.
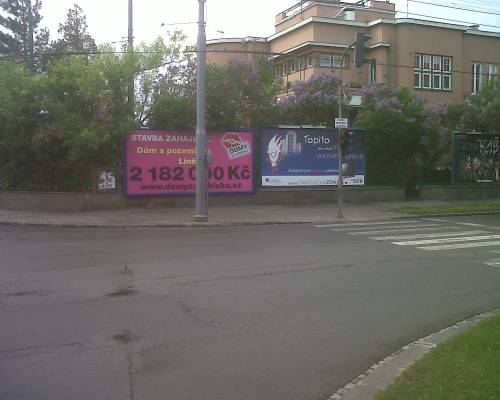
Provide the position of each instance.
(165, 80)
(479, 112)
(313, 102)
(22, 34)
(241, 94)
(400, 133)
(75, 37)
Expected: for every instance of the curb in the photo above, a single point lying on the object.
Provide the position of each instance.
(228, 224)
(383, 373)
(450, 214)
(165, 225)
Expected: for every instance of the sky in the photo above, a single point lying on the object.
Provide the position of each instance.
(107, 19)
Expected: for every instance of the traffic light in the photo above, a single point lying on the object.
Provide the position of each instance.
(359, 48)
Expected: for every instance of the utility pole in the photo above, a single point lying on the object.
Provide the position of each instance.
(130, 50)
(340, 181)
(201, 212)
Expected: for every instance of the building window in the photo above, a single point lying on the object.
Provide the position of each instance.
(436, 81)
(418, 80)
(436, 63)
(325, 60)
(332, 60)
(432, 72)
(476, 77)
(292, 66)
(373, 72)
(426, 81)
(492, 71)
(446, 64)
(418, 61)
(426, 62)
(337, 58)
(446, 82)
(310, 61)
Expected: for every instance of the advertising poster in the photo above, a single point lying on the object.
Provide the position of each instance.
(164, 163)
(106, 180)
(476, 158)
(309, 157)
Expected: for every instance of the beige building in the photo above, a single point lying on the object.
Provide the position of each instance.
(439, 61)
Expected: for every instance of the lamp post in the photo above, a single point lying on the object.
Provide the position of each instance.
(201, 212)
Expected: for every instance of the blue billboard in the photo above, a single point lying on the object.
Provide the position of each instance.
(309, 157)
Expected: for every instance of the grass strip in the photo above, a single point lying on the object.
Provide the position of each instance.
(451, 209)
(466, 367)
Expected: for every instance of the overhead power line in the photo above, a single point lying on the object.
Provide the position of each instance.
(264, 53)
(454, 7)
(451, 20)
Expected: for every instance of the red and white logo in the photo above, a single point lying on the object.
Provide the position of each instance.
(235, 146)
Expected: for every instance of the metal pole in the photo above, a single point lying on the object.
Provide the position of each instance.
(131, 88)
(340, 181)
(201, 212)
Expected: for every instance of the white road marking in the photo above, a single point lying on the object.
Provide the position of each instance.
(469, 224)
(460, 246)
(446, 240)
(398, 230)
(493, 263)
(428, 235)
(367, 223)
(372, 228)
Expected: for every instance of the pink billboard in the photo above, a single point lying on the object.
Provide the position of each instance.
(164, 163)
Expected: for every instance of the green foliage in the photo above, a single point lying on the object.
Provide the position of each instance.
(480, 112)
(313, 102)
(21, 35)
(164, 78)
(74, 32)
(401, 133)
(465, 367)
(56, 126)
(241, 94)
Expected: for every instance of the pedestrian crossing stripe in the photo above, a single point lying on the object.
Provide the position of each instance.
(423, 225)
(493, 263)
(446, 240)
(428, 235)
(460, 246)
(354, 224)
(433, 228)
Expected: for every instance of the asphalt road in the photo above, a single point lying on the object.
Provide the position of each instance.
(271, 312)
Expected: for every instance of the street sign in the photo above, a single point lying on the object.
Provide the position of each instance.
(341, 123)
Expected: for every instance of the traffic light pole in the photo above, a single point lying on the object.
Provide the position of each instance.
(201, 212)
(340, 181)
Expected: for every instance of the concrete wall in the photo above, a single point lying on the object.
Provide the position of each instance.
(71, 202)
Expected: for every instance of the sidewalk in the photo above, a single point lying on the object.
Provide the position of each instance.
(218, 216)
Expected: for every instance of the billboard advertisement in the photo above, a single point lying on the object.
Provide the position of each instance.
(309, 157)
(164, 163)
(476, 158)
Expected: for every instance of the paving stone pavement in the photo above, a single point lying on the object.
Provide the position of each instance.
(236, 215)
(218, 216)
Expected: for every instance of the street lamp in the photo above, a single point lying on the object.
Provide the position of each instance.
(201, 212)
